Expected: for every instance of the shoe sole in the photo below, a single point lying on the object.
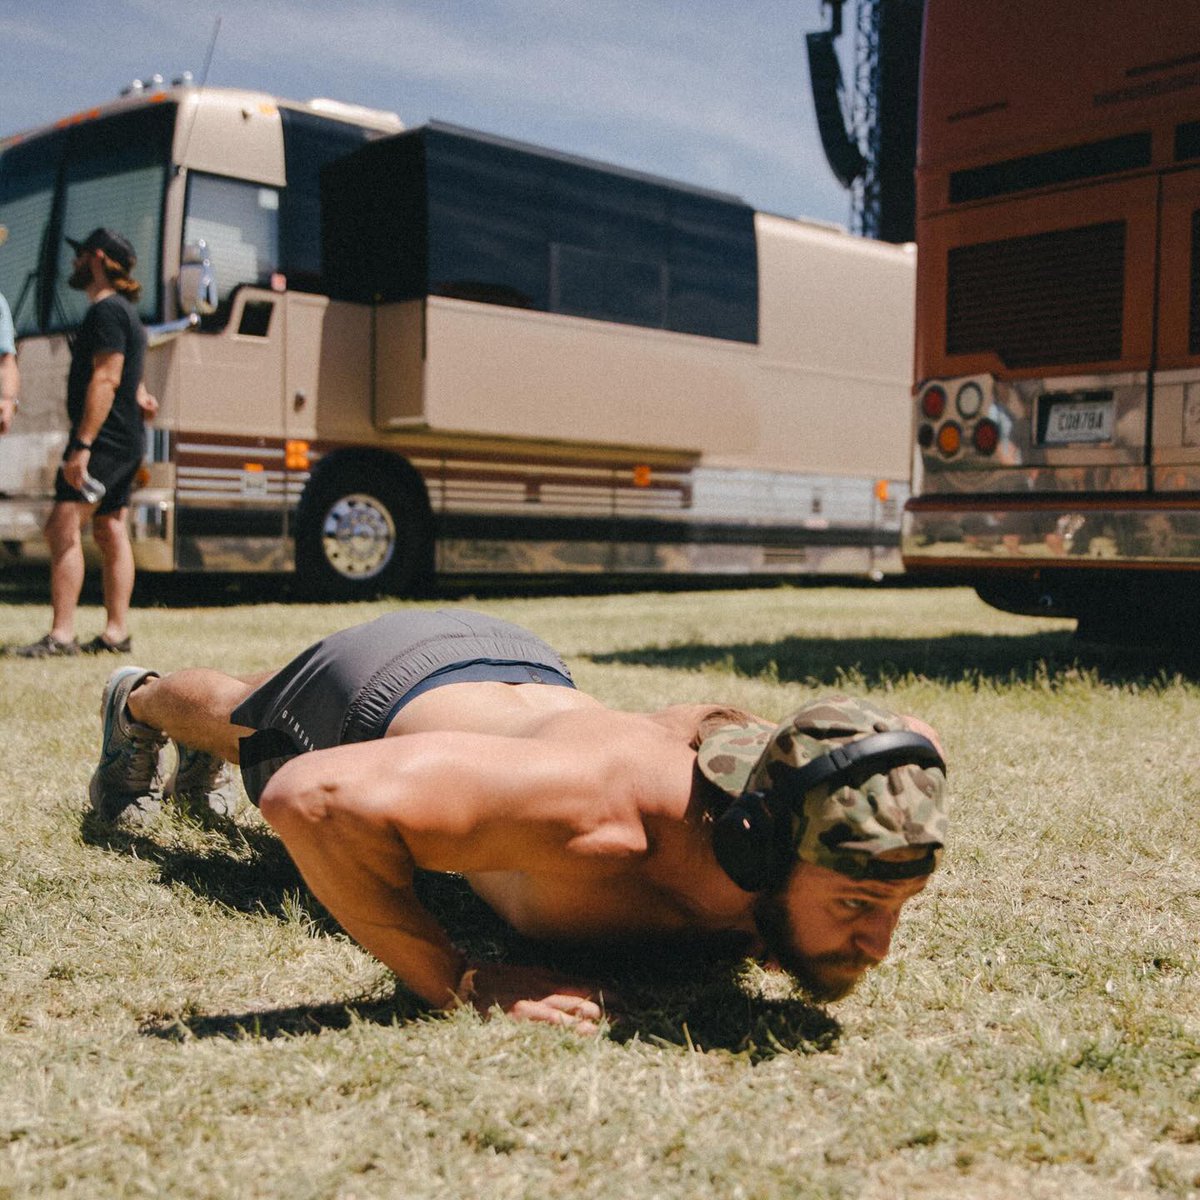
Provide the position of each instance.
(221, 801)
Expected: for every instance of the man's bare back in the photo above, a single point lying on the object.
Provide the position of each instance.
(642, 879)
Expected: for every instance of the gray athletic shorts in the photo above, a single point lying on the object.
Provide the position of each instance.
(349, 686)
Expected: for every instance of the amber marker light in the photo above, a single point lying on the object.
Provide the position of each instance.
(949, 438)
(933, 402)
(296, 455)
(986, 436)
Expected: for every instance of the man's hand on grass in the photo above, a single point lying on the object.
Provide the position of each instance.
(533, 994)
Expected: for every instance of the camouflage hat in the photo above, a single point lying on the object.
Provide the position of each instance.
(843, 827)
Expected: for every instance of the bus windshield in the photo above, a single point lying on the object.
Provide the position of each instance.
(112, 172)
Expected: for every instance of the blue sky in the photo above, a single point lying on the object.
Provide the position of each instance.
(712, 92)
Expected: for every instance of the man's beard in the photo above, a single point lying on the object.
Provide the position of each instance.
(828, 976)
(80, 278)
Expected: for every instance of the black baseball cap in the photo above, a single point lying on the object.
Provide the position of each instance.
(118, 248)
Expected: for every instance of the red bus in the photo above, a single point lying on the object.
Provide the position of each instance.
(1057, 395)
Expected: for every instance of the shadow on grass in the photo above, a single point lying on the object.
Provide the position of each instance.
(716, 1016)
(1044, 658)
(28, 583)
(247, 870)
(693, 997)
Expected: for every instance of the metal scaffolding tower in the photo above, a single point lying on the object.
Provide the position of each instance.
(871, 142)
(864, 190)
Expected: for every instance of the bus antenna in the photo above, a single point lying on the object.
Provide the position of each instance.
(212, 45)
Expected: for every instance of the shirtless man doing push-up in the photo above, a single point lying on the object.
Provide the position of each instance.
(451, 741)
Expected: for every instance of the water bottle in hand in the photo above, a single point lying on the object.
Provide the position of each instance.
(92, 490)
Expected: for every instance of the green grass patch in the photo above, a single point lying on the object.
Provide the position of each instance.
(178, 1017)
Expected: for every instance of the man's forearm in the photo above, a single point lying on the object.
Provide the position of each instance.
(410, 942)
(96, 406)
(363, 875)
(10, 377)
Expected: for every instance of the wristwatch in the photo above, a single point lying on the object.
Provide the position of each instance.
(77, 443)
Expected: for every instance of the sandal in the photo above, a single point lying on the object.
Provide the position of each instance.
(46, 647)
(101, 645)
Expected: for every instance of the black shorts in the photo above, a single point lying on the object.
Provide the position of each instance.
(116, 468)
(349, 686)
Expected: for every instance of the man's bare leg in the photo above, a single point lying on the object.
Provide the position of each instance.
(139, 713)
(194, 707)
(110, 534)
(63, 532)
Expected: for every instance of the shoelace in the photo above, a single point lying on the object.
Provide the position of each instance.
(139, 763)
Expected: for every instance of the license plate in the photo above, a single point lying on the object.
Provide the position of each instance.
(1078, 420)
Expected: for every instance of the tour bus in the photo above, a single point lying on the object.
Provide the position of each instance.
(383, 353)
(1057, 396)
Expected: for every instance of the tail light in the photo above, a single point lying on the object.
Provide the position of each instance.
(933, 402)
(986, 436)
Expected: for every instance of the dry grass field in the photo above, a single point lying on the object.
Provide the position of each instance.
(178, 1018)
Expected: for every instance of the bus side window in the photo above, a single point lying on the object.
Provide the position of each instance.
(239, 222)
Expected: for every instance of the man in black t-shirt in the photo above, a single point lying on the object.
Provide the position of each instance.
(107, 404)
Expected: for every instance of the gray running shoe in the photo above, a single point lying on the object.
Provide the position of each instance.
(201, 781)
(127, 783)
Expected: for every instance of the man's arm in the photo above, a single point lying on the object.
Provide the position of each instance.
(102, 389)
(147, 402)
(10, 390)
(358, 819)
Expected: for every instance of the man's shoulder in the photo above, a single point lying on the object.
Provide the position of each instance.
(114, 306)
(114, 322)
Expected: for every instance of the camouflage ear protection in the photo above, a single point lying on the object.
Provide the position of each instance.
(752, 839)
(843, 783)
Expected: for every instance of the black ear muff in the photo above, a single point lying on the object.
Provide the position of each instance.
(746, 838)
(743, 840)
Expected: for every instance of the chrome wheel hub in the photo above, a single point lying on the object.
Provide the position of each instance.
(358, 536)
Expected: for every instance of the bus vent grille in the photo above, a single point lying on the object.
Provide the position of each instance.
(1046, 299)
(1194, 305)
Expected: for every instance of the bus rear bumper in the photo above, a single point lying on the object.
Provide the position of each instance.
(1029, 533)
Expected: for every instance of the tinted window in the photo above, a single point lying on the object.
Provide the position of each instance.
(239, 223)
(450, 213)
(488, 223)
(108, 172)
(114, 175)
(609, 246)
(28, 174)
(309, 142)
(714, 269)
(607, 287)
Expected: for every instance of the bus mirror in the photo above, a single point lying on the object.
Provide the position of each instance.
(197, 281)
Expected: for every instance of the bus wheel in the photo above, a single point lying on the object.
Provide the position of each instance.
(360, 538)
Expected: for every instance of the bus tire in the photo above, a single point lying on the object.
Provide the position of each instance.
(364, 530)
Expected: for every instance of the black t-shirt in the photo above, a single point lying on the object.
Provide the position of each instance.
(110, 326)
